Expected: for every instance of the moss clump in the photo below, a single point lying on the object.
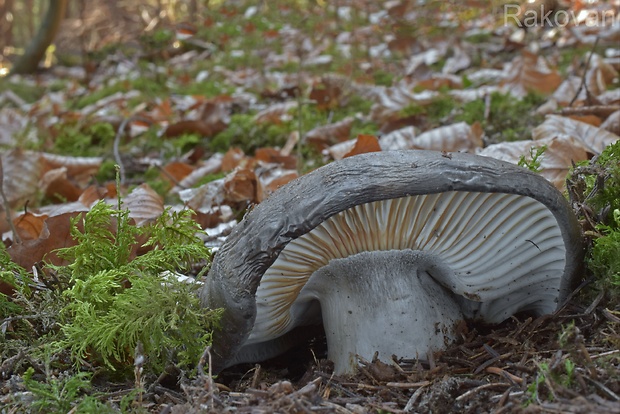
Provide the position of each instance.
(115, 303)
(595, 187)
(510, 119)
(245, 133)
(84, 141)
(27, 91)
(435, 113)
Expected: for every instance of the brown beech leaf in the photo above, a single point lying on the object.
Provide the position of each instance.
(326, 97)
(12, 123)
(456, 137)
(233, 157)
(338, 151)
(284, 93)
(600, 74)
(271, 177)
(21, 173)
(530, 73)
(364, 144)
(92, 194)
(271, 155)
(240, 185)
(398, 139)
(612, 123)
(54, 235)
(29, 226)
(561, 153)
(276, 114)
(587, 119)
(58, 187)
(79, 169)
(205, 198)
(568, 89)
(212, 219)
(593, 138)
(176, 171)
(144, 204)
(210, 166)
(460, 60)
(328, 135)
(195, 126)
(437, 82)
(391, 102)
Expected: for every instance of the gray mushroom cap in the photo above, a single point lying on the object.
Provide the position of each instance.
(454, 198)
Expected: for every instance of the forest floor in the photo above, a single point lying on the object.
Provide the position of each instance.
(215, 111)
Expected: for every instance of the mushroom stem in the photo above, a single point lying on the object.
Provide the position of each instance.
(383, 301)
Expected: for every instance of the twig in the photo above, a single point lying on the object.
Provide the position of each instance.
(408, 384)
(480, 388)
(256, 376)
(139, 360)
(19, 317)
(117, 154)
(604, 354)
(583, 77)
(9, 364)
(211, 383)
(414, 397)
(206, 355)
(604, 389)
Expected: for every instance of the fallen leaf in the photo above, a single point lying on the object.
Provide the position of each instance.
(276, 114)
(198, 127)
(530, 73)
(327, 135)
(459, 137)
(232, 158)
(54, 235)
(364, 144)
(57, 186)
(593, 138)
(556, 161)
(144, 204)
(29, 226)
(176, 171)
(21, 172)
(271, 155)
(612, 123)
(240, 185)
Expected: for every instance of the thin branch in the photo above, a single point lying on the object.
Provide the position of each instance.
(117, 154)
(585, 72)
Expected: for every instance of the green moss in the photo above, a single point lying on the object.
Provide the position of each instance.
(481, 37)
(383, 78)
(569, 56)
(595, 185)
(107, 171)
(150, 85)
(510, 119)
(159, 38)
(605, 258)
(434, 112)
(208, 88)
(245, 133)
(153, 178)
(89, 140)
(99, 94)
(115, 303)
(26, 91)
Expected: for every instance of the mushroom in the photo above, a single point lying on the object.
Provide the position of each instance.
(390, 251)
